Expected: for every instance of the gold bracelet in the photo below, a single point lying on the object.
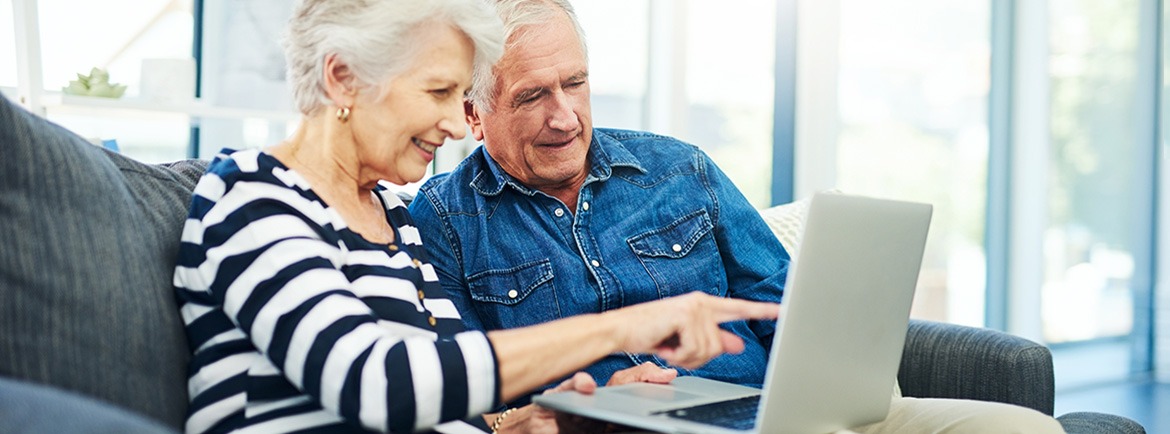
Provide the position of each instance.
(500, 419)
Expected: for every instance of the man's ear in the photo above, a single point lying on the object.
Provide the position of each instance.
(340, 83)
(473, 120)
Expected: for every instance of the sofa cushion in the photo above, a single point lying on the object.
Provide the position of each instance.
(87, 251)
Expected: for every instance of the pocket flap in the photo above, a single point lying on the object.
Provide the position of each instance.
(511, 285)
(674, 240)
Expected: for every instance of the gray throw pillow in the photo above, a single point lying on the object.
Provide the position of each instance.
(88, 241)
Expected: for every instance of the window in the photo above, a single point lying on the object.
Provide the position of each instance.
(145, 29)
(695, 70)
(1100, 181)
(913, 87)
(1065, 201)
(114, 35)
(243, 67)
(617, 59)
(730, 63)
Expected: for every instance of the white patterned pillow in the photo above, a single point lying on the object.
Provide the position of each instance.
(787, 221)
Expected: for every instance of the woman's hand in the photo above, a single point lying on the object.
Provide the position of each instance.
(684, 330)
(540, 420)
(534, 419)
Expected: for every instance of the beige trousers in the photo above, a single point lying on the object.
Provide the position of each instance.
(930, 415)
(953, 416)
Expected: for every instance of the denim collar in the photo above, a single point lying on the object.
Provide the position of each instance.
(605, 154)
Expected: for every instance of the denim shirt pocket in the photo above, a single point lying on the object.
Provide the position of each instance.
(515, 297)
(682, 256)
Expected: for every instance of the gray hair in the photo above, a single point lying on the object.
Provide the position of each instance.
(518, 15)
(376, 39)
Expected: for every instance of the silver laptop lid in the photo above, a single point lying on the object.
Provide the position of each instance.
(847, 302)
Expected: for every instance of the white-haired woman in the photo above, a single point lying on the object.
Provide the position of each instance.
(307, 296)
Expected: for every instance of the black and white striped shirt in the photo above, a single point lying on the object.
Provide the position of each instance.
(296, 322)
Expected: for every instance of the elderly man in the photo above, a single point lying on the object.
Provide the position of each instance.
(552, 217)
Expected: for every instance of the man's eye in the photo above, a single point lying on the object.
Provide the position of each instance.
(575, 84)
(531, 98)
(440, 92)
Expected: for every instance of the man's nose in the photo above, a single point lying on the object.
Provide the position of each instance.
(562, 117)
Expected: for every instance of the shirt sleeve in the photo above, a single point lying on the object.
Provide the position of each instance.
(755, 262)
(280, 282)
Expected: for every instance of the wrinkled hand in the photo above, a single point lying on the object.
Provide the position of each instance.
(645, 373)
(544, 421)
(684, 330)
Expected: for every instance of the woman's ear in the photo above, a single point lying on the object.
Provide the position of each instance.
(340, 83)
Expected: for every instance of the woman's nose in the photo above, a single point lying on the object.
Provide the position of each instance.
(453, 125)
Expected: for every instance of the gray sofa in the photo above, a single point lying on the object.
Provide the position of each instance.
(91, 341)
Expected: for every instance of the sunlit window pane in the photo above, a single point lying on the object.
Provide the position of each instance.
(730, 72)
(617, 61)
(114, 35)
(913, 90)
(1090, 241)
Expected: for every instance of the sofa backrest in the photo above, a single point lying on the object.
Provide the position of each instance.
(88, 241)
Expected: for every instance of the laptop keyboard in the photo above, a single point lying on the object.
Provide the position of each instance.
(735, 414)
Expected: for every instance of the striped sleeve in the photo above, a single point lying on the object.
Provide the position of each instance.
(280, 282)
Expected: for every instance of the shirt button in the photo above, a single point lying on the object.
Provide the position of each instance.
(421, 295)
(513, 293)
(393, 247)
(559, 212)
(595, 263)
(432, 321)
(416, 262)
(677, 248)
(585, 206)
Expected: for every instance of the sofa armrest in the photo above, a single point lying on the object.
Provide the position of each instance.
(952, 361)
(37, 408)
(1088, 422)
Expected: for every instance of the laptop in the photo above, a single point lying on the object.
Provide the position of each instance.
(837, 347)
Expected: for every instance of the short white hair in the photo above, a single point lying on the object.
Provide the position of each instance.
(518, 15)
(376, 39)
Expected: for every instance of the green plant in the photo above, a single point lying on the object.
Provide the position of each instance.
(97, 83)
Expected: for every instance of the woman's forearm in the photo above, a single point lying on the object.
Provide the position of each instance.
(531, 357)
(683, 330)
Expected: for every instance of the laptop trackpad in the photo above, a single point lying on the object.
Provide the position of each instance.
(664, 395)
(682, 392)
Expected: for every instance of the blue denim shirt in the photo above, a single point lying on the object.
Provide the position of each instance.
(655, 218)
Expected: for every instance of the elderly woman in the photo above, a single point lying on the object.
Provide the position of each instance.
(306, 293)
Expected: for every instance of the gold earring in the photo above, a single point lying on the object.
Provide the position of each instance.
(343, 114)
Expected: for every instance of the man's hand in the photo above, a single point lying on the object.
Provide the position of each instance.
(645, 373)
